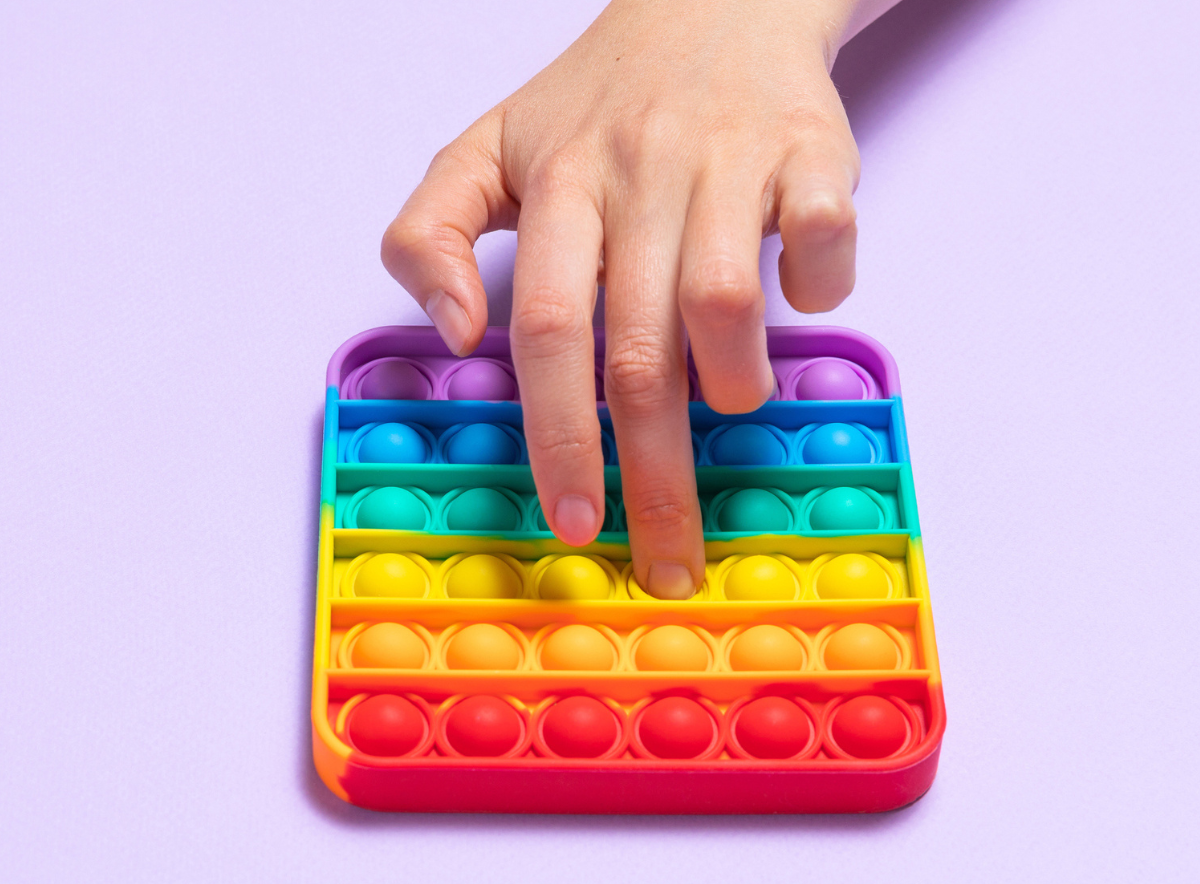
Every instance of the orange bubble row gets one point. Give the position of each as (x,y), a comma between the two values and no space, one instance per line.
(773,727)
(581,647)
(577,577)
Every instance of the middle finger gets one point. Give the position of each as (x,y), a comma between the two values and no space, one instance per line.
(646,387)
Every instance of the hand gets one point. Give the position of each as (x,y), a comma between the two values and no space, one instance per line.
(654,154)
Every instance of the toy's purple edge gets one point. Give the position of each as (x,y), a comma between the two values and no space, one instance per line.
(846,343)
(796,340)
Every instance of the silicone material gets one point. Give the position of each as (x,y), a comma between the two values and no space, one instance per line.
(467,660)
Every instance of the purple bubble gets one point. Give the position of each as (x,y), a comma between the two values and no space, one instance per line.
(481,379)
(395,380)
(829,379)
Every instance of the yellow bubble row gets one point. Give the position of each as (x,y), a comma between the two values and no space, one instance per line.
(597,648)
(560,577)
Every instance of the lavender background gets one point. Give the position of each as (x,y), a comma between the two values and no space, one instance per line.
(192,203)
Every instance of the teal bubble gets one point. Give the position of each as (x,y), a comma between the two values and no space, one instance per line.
(754,509)
(482,509)
(845,509)
(397,509)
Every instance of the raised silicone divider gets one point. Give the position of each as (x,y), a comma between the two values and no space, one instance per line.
(409,362)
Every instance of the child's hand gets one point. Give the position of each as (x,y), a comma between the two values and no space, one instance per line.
(656,152)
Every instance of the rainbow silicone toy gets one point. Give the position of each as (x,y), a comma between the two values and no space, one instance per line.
(467,660)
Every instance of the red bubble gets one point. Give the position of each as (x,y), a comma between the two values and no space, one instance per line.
(483,726)
(579,727)
(869,727)
(772,727)
(676,727)
(385,725)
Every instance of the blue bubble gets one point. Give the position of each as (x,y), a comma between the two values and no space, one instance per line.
(482,444)
(393,443)
(397,509)
(845,509)
(837,443)
(751,445)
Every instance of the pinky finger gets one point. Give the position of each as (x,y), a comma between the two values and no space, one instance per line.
(817,223)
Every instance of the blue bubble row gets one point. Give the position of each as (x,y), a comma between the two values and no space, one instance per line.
(764,445)
(728,445)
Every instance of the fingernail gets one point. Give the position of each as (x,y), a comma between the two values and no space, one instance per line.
(575,520)
(670,580)
(450,320)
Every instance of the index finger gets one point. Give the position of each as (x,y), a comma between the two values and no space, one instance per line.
(554,294)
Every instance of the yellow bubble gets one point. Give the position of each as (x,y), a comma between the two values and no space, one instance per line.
(388,646)
(483,646)
(574,577)
(766,648)
(482,577)
(852,576)
(861,646)
(760,578)
(671,648)
(391,575)
(578,647)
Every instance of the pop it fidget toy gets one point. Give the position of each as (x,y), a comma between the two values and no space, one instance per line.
(467,660)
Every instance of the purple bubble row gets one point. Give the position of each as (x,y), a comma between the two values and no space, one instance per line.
(491,379)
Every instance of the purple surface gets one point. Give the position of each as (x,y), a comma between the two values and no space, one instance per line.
(192,208)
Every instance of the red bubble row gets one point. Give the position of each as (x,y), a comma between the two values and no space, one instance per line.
(774,727)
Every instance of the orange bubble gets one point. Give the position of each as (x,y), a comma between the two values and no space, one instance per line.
(388,646)
(672,648)
(578,647)
(483,646)
(861,646)
(766,648)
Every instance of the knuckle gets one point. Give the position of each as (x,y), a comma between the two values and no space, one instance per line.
(722,291)
(638,367)
(659,508)
(409,236)
(822,212)
(562,442)
(650,132)
(546,315)
(562,170)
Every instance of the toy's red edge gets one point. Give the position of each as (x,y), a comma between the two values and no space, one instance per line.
(715,788)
